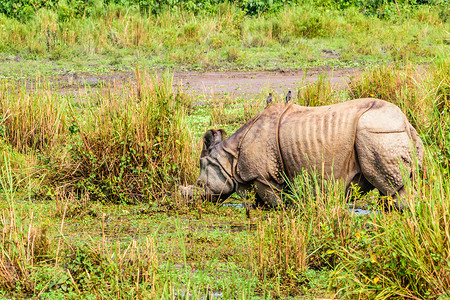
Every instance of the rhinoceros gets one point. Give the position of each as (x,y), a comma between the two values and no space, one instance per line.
(362,141)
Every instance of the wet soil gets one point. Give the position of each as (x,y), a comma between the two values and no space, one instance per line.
(203,85)
(241,84)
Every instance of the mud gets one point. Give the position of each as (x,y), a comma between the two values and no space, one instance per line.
(205,85)
(242,84)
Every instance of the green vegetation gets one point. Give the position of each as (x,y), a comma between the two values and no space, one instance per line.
(61,159)
(97,35)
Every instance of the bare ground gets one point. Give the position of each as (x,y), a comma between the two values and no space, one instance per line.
(215,84)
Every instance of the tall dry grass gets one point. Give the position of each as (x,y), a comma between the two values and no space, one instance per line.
(31,120)
(317,93)
(403,255)
(133,145)
(304,236)
(126,144)
(24,242)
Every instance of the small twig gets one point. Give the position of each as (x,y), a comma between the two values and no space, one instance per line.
(61,234)
(46,285)
(74,283)
(398,9)
(103,231)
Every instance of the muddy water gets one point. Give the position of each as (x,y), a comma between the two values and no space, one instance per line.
(356,211)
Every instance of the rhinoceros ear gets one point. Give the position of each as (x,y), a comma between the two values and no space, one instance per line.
(211,138)
(219,135)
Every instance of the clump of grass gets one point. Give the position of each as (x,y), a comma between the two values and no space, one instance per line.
(305,238)
(441,80)
(317,93)
(89,266)
(31,120)
(126,145)
(280,251)
(24,243)
(131,146)
(68,204)
(406,254)
(437,129)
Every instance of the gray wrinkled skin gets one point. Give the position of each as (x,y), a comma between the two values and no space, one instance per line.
(362,141)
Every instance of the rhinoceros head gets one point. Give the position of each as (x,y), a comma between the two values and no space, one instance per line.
(215,181)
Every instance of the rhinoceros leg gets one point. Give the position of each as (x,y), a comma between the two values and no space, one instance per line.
(267,193)
(364,185)
(384,143)
(380,156)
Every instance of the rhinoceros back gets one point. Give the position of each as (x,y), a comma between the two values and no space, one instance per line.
(321,138)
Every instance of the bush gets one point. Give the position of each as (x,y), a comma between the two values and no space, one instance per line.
(24,9)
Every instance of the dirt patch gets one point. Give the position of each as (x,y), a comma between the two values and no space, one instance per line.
(242,84)
(203,85)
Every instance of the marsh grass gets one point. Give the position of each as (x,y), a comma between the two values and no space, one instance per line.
(40,261)
(25,245)
(126,144)
(293,36)
(132,145)
(24,242)
(31,121)
(404,255)
(134,266)
(376,256)
(317,93)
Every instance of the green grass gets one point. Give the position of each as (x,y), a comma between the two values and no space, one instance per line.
(293,37)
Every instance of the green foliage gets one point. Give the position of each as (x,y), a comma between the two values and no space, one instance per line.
(71,9)
(256,7)
(24,9)
(383,9)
